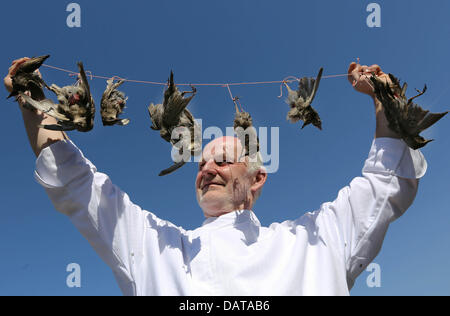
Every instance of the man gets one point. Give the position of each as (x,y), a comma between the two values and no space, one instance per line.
(321,253)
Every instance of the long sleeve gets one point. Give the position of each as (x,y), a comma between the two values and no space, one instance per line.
(105,216)
(360,216)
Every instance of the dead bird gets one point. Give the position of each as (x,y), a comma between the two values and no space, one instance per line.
(404,116)
(171,115)
(300,102)
(76,108)
(25,78)
(112,104)
(246,132)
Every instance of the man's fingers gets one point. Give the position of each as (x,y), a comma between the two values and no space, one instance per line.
(8,83)
(354,73)
(18,60)
(351,68)
(376,69)
(357,73)
(364,69)
(12,71)
(15,66)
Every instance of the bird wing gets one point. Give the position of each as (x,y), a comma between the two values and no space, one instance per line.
(174,108)
(307,90)
(63,127)
(155,112)
(172,169)
(32,64)
(391,104)
(174,103)
(47,106)
(84,81)
(404,116)
(424,119)
(315,87)
(88,101)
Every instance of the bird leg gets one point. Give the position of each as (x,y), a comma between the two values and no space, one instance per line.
(194,91)
(420,94)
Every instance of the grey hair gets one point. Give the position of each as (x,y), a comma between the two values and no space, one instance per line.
(255,164)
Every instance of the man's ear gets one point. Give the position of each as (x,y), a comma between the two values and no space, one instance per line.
(258,180)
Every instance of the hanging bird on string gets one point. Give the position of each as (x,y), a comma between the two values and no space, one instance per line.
(172,116)
(404,116)
(76,108)
(27,79)
(246,132)
(112,104)
(300,102)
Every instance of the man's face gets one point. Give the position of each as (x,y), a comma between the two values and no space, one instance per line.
(223,182)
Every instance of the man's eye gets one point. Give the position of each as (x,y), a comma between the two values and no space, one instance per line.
(224,163)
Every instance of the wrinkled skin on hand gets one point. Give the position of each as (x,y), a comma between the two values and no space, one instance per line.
(405,117)
(173,115)
(76,108)
(300,102)
(112,104)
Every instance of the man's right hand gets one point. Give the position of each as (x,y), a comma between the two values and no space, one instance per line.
(39,138)
(12,71)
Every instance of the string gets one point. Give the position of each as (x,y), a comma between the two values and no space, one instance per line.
(234,99)
(91,75)
(289,79)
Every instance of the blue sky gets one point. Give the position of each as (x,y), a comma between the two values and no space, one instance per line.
(226,41)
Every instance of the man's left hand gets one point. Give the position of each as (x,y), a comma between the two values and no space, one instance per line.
(359,77)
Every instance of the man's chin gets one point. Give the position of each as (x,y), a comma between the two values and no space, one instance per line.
(212,203)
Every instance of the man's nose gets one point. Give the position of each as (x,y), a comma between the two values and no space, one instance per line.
(210,167)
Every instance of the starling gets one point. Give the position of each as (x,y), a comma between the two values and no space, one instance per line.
(246,132)
(76,108)
(112,104)
(173,114)
(300,102)
(25,79)
(404,116)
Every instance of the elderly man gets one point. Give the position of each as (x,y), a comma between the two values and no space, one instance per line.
(320,253)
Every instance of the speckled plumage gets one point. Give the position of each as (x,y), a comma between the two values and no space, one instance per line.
(76,108)
(404,116)
(300,102)
(25,79)
(173,114)
(246,132)
(112,104)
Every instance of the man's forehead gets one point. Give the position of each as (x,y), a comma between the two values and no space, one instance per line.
(229,147)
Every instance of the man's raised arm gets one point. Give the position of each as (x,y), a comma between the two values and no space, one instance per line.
(362,212)
(104,215)
(39,138)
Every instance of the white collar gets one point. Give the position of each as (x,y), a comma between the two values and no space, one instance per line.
(232,219)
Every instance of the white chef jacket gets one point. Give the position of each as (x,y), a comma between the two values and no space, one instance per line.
(320,253)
